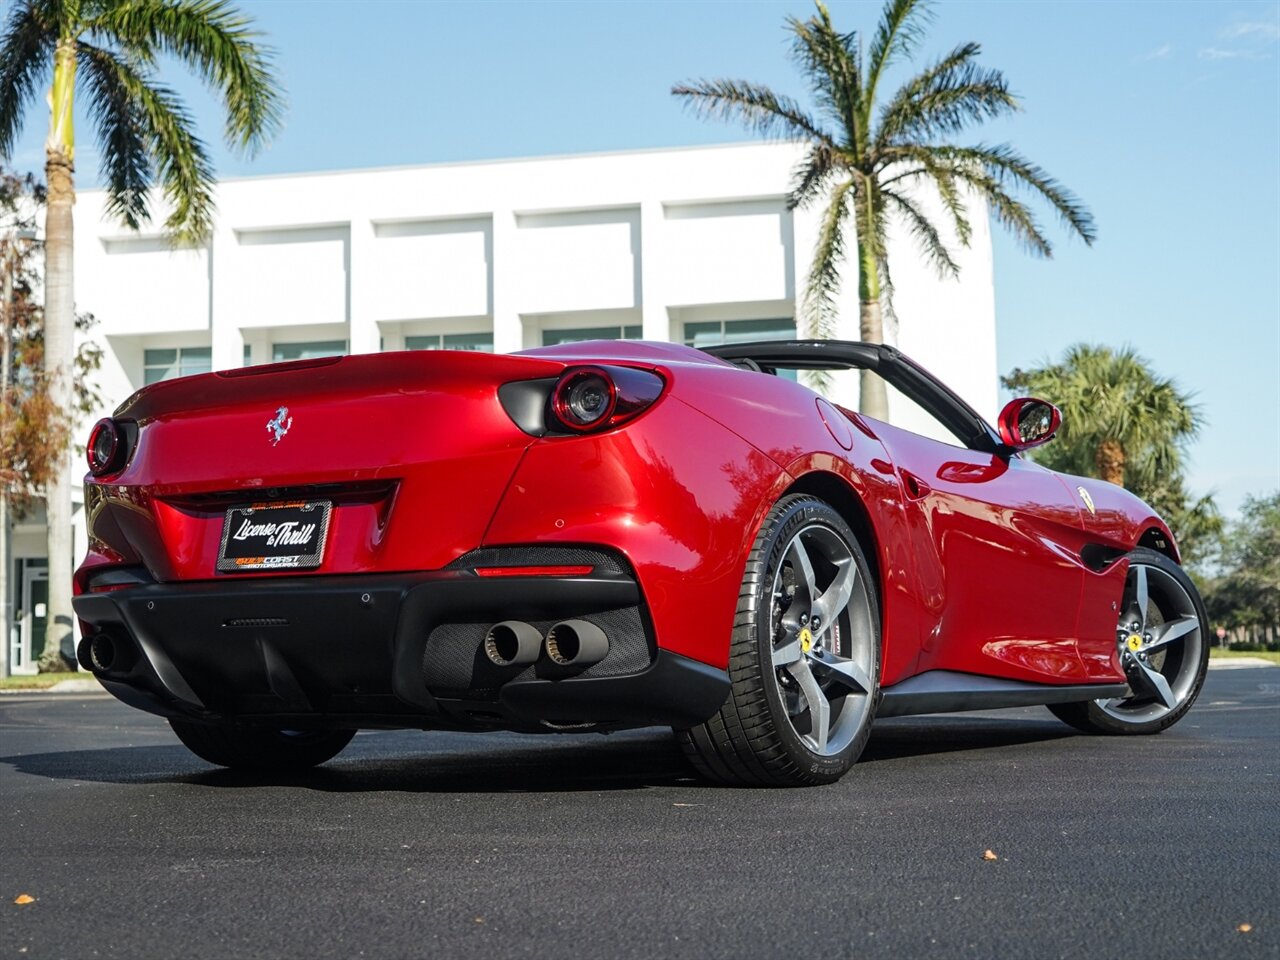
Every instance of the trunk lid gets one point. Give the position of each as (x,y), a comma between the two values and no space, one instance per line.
(410,451)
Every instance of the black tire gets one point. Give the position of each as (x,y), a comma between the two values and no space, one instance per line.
(1173,601)
(754,739)
(253,747)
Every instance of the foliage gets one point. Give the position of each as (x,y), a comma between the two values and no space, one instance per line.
(33,430)
(1246,593)
(866,152)
(1124,424)
(111,48)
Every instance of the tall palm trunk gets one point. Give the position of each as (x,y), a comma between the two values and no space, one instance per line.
(873,400)
(59,338)
(1110,460)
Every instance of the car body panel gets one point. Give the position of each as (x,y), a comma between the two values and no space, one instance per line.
(987,565)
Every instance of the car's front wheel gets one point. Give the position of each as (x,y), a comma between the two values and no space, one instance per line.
(1162,642)
(804,661)
(255,747)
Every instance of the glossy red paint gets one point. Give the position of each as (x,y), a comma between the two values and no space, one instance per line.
(991,534)
(978,555)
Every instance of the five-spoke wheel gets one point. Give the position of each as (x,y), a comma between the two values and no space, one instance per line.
(805,657)
(1162,646)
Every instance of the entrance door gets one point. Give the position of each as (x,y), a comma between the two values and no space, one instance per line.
(32,619)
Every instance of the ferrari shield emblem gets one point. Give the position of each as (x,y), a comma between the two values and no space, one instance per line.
(1088,500)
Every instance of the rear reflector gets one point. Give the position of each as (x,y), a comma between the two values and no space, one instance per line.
(566,571)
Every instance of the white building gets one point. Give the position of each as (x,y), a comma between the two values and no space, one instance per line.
(693,245)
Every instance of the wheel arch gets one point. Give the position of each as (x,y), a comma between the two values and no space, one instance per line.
(845,501)
(1161,540)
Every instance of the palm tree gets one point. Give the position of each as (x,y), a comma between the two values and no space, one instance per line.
(865,159)
(1120,421)
(1123,423)
(108,51)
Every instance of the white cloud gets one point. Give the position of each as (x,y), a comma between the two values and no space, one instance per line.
(1159,53)
(1221,53)
(1256,29)
(1244,40)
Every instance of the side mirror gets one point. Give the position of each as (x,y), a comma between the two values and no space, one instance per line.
(1027,422)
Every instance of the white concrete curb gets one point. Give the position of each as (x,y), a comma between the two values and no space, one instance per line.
(1238,663)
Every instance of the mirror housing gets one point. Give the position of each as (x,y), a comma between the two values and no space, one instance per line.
(1027,422)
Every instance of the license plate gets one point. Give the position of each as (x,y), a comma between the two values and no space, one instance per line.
(274,536)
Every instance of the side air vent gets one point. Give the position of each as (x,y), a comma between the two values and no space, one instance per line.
(256,622)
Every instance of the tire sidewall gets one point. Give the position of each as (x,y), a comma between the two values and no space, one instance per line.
(1108,723)
(790,515)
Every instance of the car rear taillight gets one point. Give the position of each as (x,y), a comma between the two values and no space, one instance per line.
(108,447)
(596,398)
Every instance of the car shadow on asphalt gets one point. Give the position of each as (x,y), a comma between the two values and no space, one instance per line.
(507,763)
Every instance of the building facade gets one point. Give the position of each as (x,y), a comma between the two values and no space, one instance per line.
(692,245)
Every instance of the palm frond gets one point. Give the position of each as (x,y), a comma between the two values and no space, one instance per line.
(1010,213)
(928,239)
(945,98)
(181,160)
(819,302)
(121,129)
(830,62)
(762,111)
(1005,165)
(26,50)
(216,40)
(899,32)
(813,175)
(923,163)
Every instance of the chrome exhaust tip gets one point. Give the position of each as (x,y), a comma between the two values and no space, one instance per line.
(576,643)
(512,643)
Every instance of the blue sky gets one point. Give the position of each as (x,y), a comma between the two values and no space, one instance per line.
(1163,116)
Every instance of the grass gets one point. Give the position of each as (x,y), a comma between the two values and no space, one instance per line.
(41,681)
(1272,655)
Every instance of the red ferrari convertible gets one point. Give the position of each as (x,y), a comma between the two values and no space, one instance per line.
(612,534)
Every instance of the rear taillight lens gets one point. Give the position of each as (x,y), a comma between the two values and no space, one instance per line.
(107,447)
(596,398)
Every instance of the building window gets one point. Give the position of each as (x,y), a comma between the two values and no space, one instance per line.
(712,333)
(480,342)
(308,351)
(165,364)
(630,331)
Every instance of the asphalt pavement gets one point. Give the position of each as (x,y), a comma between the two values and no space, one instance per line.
(435,844)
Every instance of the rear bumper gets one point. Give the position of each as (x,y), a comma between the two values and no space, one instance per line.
(401,650)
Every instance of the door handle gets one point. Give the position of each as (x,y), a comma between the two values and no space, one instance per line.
(915,488)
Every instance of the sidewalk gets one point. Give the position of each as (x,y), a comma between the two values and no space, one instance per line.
(89,685)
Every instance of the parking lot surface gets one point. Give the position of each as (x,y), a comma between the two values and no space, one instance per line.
(454,845)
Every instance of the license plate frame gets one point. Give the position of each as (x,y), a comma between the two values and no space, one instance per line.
(274,536)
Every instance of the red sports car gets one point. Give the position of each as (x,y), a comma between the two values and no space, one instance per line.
(612,534)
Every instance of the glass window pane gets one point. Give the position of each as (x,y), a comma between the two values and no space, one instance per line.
(308,351)
(422,343)
(482,342)
(703,334)
(632,331)
(159,358)
(192,360)
(577,334)
(744,331)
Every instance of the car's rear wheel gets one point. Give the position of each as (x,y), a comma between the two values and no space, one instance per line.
(1163,646)
(254,747)
(804,661)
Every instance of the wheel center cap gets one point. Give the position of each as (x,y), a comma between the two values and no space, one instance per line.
(1134,643)
(806,640)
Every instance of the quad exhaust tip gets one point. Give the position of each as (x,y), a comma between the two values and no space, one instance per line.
(512,643)
(576,643)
